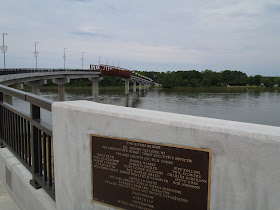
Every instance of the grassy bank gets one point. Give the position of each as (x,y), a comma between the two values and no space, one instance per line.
(224,88)
(221,89)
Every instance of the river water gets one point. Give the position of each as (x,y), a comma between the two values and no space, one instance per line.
(249,105)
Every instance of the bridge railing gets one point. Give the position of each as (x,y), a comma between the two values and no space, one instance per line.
(30,70)
(108,70)
(28,137)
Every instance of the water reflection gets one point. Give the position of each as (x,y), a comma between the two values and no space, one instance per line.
(135,101)
(126,100)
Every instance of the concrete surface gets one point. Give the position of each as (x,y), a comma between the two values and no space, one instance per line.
(245,164)
(6,201)
(24,195)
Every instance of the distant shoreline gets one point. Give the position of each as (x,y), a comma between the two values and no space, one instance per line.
(120,88)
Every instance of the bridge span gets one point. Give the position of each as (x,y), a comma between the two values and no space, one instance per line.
(38,77)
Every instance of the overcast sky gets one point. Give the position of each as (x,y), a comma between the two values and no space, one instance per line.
(157,35)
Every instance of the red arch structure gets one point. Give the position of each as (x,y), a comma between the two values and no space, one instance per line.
(111,70)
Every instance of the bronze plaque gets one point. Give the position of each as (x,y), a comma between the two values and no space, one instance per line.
(141,175)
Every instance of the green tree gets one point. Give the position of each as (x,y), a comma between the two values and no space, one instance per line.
(258,80)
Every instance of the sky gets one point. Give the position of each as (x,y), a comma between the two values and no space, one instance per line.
(154,35)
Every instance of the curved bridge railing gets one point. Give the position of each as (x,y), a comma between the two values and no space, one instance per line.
(107,70)
(30,70)
(28,137)
(103,70)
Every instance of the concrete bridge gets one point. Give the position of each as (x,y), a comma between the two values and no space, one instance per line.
(37,78)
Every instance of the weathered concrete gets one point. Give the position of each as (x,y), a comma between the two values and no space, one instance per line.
(36,85)
(140,86)
(245,163)
(95,87)
(18,86)
(126,86)
(61,82)
(6,201)
(134,86)
(25,196)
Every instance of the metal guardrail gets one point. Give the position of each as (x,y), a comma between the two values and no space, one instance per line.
(107,70)
(28,138)
(30,70)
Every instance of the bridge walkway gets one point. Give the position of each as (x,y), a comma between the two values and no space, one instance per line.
(6,201)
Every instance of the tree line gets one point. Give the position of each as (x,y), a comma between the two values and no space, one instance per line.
(209,78)
(191,78)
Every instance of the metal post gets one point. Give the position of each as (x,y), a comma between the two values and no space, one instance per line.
(82,60)
(36,54)
(35,141)
(64,57)
(4,49)
(1,117)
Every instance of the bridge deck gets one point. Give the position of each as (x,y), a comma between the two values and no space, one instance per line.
(6,201)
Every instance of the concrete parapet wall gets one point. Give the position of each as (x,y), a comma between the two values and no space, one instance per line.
(16,179)
(245,164)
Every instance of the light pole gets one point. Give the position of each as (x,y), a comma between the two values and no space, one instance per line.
(36,54)
(64,57)
(4,49)
(82,60)
(99,60)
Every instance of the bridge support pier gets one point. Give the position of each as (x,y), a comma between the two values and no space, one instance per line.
(126,86)
(36,85)
(61,87)
(18,86)
(145,86)
(95,87)
(134,86)
(140,86)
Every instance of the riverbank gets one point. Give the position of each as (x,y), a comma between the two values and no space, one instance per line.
(225,88)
